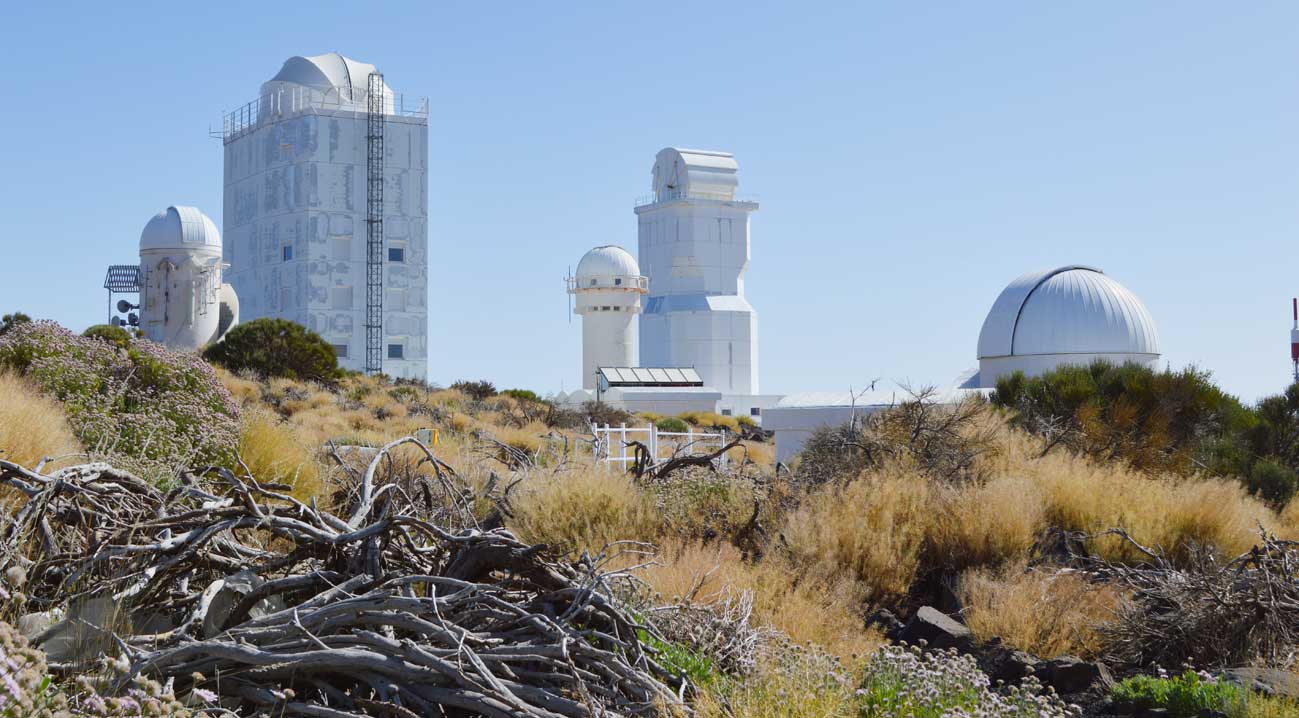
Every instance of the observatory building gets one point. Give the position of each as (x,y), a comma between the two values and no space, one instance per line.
(698,334)
(183,302)
(607,291)
(1040,321)
(326,210)
(1069,315)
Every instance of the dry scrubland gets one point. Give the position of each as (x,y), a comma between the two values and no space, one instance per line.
(813,558)
(833,553)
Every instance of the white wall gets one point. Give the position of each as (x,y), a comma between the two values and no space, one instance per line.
(1037,364)
(300,182)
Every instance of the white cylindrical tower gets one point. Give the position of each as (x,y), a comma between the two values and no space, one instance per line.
(607,290)
(180,274)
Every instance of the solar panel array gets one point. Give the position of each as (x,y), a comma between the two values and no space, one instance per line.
(651,376)
(123,278)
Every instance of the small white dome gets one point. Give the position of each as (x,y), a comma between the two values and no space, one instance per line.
(604,262)
(180,228)
(324,72)
(1072,310)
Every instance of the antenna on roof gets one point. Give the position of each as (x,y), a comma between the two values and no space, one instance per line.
(568,298)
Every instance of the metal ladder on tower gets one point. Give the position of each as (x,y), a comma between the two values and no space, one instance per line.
(374,226)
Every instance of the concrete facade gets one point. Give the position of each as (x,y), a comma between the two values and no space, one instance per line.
(295,210)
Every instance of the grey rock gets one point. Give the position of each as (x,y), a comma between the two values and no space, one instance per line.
(1068,675)
(1269,681)
(936,629)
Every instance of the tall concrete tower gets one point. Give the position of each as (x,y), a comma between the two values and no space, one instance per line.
(607,289)
(313,203)
(694,246)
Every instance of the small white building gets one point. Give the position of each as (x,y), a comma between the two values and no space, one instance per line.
(1070,315)
(607,291)
(182,295)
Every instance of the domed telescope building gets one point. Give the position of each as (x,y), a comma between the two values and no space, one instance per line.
(326,210)
(607,291)
(183,302)
(1070,315)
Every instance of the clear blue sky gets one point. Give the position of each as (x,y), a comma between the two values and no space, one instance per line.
(911,159)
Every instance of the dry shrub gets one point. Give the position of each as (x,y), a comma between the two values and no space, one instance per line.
(584,508)
(874,528)
(245,390)
(795,684)
(32,426)
(811,610)
(985,524)
(1043,613)
(273,452)
(1157,511)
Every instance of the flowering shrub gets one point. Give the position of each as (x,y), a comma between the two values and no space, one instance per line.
(904,681)
(1184,696)
(143,401)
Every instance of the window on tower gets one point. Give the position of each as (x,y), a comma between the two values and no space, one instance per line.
(395,351)
(287,252)
(396,254)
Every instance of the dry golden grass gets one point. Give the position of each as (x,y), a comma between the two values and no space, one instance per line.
(874,529)
(984,524)
(584,508)
(811,610)
(32,426)
(1161,511)
(1045,614)
(245,391)
(797,687)
(274,452)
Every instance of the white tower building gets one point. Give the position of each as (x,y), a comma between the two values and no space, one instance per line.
(607,291)
(304,185)
(694,246)
(181,291)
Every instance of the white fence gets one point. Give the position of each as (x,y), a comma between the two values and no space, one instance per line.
(612,443)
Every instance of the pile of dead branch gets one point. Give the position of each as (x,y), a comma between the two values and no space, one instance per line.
(1203,609)
(401,607)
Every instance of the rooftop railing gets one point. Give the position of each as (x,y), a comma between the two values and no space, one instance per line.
(287,102)
(676,194)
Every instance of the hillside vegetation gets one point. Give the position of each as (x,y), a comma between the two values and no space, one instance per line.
(766,587)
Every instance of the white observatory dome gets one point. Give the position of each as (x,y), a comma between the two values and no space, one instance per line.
(180,228)
(326,72)
(1070,315)
(605,263)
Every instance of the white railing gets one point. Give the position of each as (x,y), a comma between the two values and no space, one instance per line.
(613,444)
(291,101)
(669,195)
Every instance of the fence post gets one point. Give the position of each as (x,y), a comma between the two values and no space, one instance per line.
(622,454)
(653,442)
(724,457)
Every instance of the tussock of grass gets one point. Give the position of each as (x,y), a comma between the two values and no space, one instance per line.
(273,452)
(32,426)
(584,508)
(1043,613)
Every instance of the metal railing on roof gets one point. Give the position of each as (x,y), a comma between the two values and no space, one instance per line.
(676,194)
(291,101)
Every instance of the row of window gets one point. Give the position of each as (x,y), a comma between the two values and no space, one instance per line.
(395,351)
(607,309)
(755,411)
(395,254)
(617,282)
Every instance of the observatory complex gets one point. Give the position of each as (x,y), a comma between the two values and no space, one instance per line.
(698,334)
(326,211)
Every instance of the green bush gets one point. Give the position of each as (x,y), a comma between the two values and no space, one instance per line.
(1271,481)
(9,321)
(1185,696)
(109,333)
(1155,421)
(476,390)
(672,424)
(525,395)
(276,348)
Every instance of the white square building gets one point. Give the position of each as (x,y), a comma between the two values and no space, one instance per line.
(296,214)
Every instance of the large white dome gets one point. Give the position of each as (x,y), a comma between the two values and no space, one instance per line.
(1073,314)
(180,228)
(604,263)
